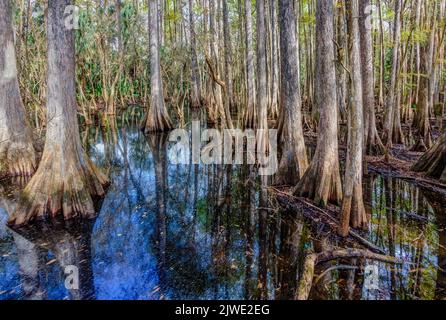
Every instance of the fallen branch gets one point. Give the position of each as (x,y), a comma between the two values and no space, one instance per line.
(393,170)
(333,223)
(212,72)
(313,259)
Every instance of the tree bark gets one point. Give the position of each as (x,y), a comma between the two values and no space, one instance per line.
(373,144)
(157,119)
(218,106)
(66,179)
(250,120)
(229,96)
(421,123)
(274,60)
(322,181)
(353,210)
(382,57)
(262,88)
(433,162)
(17,154)
(340,54)
(391,96)
(195,99)
(294,160)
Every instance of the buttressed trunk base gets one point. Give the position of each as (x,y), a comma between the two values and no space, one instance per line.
(294,161)
(17,155)
(63,184)
(158,119)
(66,179)
(322,180)
(433,162)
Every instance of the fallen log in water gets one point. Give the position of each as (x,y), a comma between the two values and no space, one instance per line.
(313,259)
(400,169)
(320,216)
(326,217)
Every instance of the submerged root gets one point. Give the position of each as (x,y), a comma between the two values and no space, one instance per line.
(64,187)
(17,159)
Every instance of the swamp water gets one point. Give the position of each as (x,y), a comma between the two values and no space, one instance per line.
(169,231)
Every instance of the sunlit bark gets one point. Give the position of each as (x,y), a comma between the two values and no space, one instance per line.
(66,179)
(17,155)
(322,181)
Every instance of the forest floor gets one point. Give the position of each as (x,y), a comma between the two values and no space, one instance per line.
(326,220)
(398,165)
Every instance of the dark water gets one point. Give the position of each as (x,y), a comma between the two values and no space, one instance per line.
(168,231)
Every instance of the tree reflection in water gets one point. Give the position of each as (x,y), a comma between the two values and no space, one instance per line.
(168,231)
(47,254)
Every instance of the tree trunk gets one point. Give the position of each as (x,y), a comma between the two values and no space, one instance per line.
(397,131)
(294,160)
(353,210)
(433,162)
(262,88)
(390,103)
(229,97)
(17,155)
(195,99)
(382,55)
(373,144)
(219,107)
(250,120)
(157,119)
(66,178)
(341,74)
(322,181)
(421,124)
(274,60)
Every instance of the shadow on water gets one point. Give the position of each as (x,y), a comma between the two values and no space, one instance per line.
(168,231)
